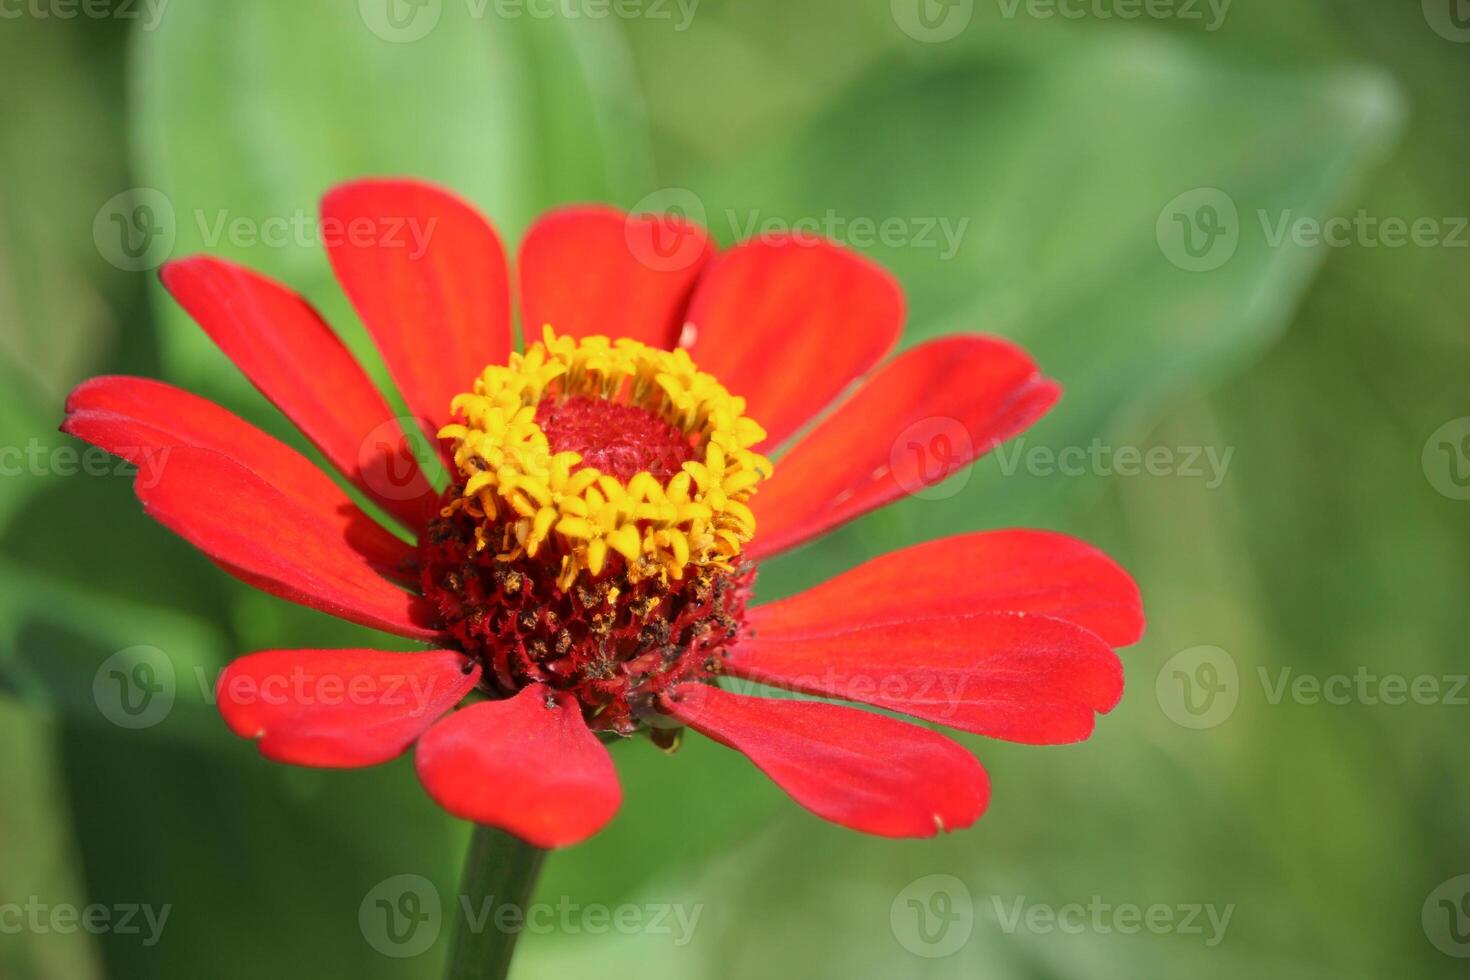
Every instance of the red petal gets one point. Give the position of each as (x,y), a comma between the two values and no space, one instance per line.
(597,270)
(859,769)
(146,421)
(311,555)
(789,322)
(990,571)
(292,356)
(527,765)
(1014,676)
(928,413)
(428,276)
(340,708)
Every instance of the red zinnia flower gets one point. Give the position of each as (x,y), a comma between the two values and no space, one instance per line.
(587,568)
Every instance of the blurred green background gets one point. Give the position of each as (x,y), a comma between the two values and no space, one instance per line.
(1130,191)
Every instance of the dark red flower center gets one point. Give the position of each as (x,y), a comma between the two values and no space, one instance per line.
(615,643)
(619,439)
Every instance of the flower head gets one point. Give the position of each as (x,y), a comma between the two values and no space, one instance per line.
(591,536)
(585,568)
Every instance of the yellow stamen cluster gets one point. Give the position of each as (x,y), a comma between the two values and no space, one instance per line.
(529,499)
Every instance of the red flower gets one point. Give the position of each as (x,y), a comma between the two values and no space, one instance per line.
(587,567)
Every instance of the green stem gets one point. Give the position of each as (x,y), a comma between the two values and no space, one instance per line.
(500,870)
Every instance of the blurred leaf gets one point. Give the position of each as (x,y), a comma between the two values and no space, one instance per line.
(53,322)
(58,639)
(1037,216)
(246,114)
(54,317)
(37,850)
(265,866)
(1056,164)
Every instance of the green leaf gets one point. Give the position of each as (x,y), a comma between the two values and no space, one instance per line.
(37,849)
(1056,165)
(246,114)
(55,288)
(72,650)
(1045,214)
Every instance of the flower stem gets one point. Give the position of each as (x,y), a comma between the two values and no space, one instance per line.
(500,870)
